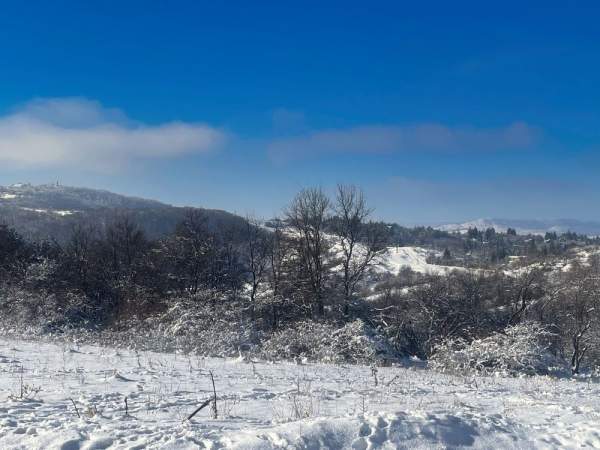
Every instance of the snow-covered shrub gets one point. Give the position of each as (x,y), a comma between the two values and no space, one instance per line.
(353,343)
(358,343)
(42,312)
(520,349)
(302,340)
(40,271)
(187,326)
(200,327)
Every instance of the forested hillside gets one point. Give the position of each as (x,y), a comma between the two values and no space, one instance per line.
(50,212)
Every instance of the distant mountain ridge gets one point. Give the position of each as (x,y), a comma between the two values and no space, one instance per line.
(58,197)
(51,210)
(523,226)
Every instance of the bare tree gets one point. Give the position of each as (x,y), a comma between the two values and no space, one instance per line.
(577,309)
(120,266)
(78,252)
(256,257)
(191,246)
(126,242)
(307,215)
(527,289)
(230,268)
(360,242)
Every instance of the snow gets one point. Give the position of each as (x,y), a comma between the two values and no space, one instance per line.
(265,405)
(564,264)
(40,211)
(63,212)
(59,212)
(7,196)
(395,258)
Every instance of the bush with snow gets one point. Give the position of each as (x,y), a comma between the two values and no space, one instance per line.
(208,335)
(25,311)
(521,349)
(354,343)
(203,326)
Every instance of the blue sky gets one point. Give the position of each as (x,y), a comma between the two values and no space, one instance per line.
(441,111)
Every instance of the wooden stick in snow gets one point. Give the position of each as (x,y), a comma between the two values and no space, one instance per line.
(215,415)
(75,406)
(200,408)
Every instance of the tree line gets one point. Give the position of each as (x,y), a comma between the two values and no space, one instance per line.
(311,264)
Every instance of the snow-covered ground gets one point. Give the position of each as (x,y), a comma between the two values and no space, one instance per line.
(395,258)
(274,405)
(580,256)
(7,196)
(59,212)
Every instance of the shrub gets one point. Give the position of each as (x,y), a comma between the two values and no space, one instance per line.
(22,309)
(354,343)
(520,349)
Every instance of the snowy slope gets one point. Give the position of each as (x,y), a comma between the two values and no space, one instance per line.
(274,406)
(395,258)
(578,256)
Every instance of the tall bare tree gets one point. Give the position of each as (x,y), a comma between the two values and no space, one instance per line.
(361,241)
(307,215)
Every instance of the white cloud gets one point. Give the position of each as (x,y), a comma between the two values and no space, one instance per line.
(406,138)
(79,132)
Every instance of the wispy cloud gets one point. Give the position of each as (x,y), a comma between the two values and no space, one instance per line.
(406,138)
(82,133)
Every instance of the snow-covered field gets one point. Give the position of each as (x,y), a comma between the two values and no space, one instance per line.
(274,405)
(396,258)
